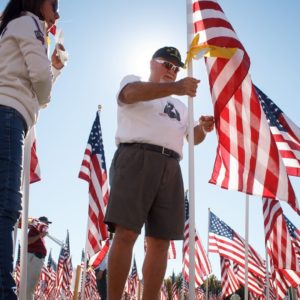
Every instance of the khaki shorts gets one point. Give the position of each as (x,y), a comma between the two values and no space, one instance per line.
(146,188)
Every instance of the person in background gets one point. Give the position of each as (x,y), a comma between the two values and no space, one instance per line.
(26,78)
(37,252)
(146,181)
(101,278)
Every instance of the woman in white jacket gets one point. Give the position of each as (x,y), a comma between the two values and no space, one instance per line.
(26,80)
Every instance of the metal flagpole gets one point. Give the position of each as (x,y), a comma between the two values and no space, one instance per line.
(15,238)
(54,239)
(189,5)
(25,204)
(267,276)
(246,246)
(85,260)
(207,250)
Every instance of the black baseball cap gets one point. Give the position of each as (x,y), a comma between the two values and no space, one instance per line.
(44,220)
(169,53)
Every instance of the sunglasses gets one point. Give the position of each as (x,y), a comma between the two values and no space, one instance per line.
(168,65)
(55,6)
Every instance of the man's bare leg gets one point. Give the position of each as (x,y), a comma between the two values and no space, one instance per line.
(154,267)
(119,260)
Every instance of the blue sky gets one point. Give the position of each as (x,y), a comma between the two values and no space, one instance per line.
(106,41)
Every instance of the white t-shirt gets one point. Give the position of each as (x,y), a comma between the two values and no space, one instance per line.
(163,121)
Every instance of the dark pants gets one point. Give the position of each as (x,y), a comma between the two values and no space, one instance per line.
(102,286)
(12,134)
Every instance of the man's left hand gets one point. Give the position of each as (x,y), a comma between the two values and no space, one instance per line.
(207,123)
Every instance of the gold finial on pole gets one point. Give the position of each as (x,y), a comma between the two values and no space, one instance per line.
(99,107)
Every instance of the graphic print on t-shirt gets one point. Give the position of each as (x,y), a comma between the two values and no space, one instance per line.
(171,111)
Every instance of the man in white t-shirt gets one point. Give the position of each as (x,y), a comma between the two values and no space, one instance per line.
(146,181)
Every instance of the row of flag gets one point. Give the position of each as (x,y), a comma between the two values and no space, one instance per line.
(55,278)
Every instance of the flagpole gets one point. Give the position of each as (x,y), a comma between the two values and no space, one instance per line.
(247,245)
(207,250)
(76,287)
(267,276)
(24,223)
(85,260)
(189,5)
(15,238)
(139,289)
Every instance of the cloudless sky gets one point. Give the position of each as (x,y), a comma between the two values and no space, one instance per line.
(107,40)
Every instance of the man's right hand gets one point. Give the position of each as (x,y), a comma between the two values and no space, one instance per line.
(187,86)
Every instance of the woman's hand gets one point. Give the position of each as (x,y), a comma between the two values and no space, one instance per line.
(55,60)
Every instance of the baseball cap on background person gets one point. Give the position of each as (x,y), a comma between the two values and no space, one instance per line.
(45,220)
(169,53)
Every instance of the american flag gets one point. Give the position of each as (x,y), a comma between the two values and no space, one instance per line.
(295,236)
(229,281)
(97,258)
(18,268)
(172,250)
(202,265)
(38,225)
(272,291)
(51,266)
(64,270)
(283,260)
(133,281)
(93,170)
(255,284)
(35,172)
(200,293)
(42,287)
(285,132)
(185,286)
(90,287)
(226,242)
(163,292)
(277,235)
(247,156)
(282,280)
(174,288)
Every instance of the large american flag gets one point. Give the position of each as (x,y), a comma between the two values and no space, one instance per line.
(93,170)
(226,242)
(229,282)
(202,265)
(285,132)
(247,156)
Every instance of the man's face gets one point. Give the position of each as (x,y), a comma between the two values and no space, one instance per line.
(163,70)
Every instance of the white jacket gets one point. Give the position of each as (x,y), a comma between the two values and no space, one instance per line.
(25,70)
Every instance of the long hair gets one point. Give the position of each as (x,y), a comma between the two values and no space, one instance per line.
(14,9)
